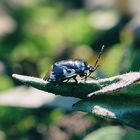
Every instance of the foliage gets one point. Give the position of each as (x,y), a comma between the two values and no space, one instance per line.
(34,34)
(115,107)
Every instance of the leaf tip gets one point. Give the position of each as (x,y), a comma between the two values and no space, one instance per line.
(19,77)
(15,75)
(89,95)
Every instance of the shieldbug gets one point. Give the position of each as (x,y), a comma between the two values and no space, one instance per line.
(63,71)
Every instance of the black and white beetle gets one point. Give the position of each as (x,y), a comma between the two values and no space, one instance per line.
(62,71)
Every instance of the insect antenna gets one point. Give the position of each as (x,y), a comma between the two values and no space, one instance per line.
(101,51)
(95,66)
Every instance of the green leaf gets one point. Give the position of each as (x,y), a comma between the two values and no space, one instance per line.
(117,82)
(84,89)
(64,89)
(106,133)
(123,108)
(113,133)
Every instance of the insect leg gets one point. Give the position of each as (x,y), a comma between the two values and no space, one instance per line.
(95,78)
(66,80)
(85,77)
(75,80)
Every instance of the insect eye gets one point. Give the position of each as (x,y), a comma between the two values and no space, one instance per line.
(92,68)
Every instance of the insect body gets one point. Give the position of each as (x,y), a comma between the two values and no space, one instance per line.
(65,70)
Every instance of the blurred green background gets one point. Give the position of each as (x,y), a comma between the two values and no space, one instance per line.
(36,33)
